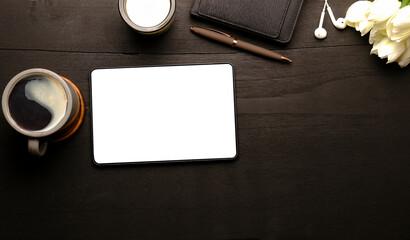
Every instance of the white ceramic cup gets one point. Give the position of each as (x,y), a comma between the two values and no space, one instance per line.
(43,106)
(148,17)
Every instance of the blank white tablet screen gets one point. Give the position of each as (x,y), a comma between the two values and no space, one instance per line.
(166,113)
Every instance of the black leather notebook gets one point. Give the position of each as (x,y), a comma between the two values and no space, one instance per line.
(274,19)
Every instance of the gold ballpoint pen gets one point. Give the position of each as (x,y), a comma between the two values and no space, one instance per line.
(229,40)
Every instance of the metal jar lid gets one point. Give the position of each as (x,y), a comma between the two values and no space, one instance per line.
(157,28)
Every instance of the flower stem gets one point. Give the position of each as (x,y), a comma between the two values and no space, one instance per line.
(404,3)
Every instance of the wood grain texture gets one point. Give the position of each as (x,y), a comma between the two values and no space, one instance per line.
(323,142)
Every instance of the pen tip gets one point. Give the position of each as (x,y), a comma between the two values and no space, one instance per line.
(285,59)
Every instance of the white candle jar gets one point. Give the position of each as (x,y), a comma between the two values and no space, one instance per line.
(148,17)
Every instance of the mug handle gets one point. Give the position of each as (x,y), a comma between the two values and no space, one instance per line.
(36,147)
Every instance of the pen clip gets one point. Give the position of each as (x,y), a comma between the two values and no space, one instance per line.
(217,31)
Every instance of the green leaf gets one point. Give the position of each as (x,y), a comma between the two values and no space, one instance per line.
(404,3)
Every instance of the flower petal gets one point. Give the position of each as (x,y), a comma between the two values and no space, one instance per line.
(381,10)
(404,59)
(398,26)
(380,25)
(376,35)
(377,45)
(391,50)
(357,26)
(365,27)
(357,11)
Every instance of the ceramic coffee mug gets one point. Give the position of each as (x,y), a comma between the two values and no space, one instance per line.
(44,106)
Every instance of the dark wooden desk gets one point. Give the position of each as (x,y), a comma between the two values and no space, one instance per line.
(324,143)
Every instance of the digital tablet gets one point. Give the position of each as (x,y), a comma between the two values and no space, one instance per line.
(163,113)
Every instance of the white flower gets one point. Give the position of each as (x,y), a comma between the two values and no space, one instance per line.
(389,27)
(381,10)
(377,35)
(398,26)
(386,48)
(363,15)
(404,59)
(357,13)
(356,17)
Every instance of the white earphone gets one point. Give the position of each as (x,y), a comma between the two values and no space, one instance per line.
(320,32)
(340,23)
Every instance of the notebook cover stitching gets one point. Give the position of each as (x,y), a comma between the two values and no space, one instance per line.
(293,23)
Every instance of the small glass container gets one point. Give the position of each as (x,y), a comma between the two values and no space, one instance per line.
(148,17)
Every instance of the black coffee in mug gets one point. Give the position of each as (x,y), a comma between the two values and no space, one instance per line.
(37,102)
(43,106)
